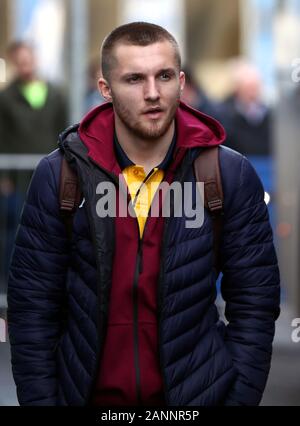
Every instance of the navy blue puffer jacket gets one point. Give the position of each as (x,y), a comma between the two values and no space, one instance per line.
(203,361)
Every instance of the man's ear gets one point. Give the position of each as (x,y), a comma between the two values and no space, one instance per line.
(104,89)
(182,80)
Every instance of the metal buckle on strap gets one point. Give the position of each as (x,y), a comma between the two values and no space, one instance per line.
(215,205)
(67,205)
(69,195)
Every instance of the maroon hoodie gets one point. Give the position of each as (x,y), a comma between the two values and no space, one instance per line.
(129,371)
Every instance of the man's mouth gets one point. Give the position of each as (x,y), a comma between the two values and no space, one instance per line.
(154,112)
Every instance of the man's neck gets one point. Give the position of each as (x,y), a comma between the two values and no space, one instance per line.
(146,153)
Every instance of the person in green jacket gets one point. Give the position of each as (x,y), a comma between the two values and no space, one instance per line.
(32,111)
(32,114)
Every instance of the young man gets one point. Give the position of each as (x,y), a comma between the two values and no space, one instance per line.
(141,324)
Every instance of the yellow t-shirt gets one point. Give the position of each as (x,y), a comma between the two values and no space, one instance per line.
(142,189)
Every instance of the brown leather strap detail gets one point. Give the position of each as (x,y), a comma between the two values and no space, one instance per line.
(69,195)
(207,170)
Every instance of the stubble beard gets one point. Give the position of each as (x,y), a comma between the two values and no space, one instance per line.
(145,130)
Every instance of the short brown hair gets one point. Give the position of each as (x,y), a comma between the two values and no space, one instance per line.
(137,34)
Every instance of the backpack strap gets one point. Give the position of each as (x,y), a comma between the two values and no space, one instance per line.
(207,170)
(69,195)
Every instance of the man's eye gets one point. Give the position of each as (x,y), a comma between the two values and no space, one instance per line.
(133,79)
(165,76)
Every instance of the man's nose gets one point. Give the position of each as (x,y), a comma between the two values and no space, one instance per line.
(151,90)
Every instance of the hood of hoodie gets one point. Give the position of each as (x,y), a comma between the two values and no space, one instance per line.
(194,129)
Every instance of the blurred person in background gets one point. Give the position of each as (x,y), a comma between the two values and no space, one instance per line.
(246,118)
(32,110)
(93,96)
(32,113)
(248,122)
(194,95)
(119,310)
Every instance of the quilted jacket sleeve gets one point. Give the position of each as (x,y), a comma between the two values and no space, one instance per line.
(250,287)
(35,290)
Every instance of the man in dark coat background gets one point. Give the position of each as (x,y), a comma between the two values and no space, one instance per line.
(246,118)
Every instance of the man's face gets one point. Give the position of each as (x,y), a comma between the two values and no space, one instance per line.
(144,87)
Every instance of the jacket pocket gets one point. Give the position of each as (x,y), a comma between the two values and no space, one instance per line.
(220,331)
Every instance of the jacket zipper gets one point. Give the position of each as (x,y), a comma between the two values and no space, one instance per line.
(137,272)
